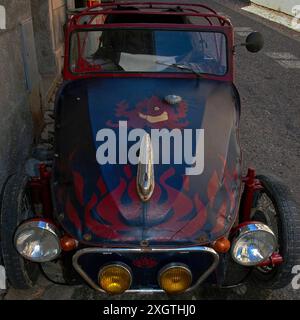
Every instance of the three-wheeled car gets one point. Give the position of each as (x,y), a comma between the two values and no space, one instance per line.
(144,191)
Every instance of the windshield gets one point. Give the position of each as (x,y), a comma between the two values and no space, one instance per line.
(135,50)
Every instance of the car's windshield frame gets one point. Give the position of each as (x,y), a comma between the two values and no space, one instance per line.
(225,30)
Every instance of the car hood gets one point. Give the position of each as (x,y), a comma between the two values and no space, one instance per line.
(99,203)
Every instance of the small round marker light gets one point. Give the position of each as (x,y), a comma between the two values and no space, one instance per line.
(68,244)
(222,245)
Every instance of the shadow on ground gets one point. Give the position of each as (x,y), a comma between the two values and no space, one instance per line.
(46,290)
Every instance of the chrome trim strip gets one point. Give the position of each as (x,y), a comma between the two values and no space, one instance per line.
(145,250)
(145,173)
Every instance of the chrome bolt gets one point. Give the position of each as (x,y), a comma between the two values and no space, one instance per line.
(87,237)
(144,243)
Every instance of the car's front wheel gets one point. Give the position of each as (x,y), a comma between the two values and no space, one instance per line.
(274,206)
(15,208)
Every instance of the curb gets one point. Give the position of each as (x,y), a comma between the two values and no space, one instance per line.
(289,21)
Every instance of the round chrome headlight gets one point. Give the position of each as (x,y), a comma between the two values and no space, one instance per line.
(37,241)
(254,243)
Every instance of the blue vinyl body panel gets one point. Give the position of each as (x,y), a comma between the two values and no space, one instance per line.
(101,200)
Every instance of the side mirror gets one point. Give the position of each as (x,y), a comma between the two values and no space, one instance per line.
(254,42)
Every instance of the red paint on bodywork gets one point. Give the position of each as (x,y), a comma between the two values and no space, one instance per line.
(78,185)
(213,187)
(153,107)
(211,22)
(196,223)
(41,190)
(274,260)
(108,207)
(93,3)
(101,185)
(221,218)
(180,203)
(127,171)
(132,211)
(98,229)
(229,179)
(170,218)
(145,262)
(251,185)
(73,215)
(151,5)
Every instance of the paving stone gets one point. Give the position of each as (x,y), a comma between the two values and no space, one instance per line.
(57,292)
(2,294)
(30,294)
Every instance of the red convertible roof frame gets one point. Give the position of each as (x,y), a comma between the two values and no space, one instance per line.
(152,8)
(214,21)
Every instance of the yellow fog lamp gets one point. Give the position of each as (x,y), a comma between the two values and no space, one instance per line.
(175,278)
(115,278)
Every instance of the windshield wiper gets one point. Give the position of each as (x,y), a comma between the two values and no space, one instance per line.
(181,67)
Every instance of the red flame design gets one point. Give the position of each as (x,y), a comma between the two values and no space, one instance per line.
(213,187)
(105,213)
(79,185)
(151,107)
(196,223)
(73,215)
(145,262)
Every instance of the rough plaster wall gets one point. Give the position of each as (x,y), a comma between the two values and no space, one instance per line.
(49,17)
(15,116)
(43,41)
(58,22)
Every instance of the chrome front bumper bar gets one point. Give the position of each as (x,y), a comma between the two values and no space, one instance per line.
(141,251)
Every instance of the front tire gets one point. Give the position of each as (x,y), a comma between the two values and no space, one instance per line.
(274,206)
(16,208)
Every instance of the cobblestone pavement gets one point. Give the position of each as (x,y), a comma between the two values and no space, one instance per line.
(270,131)
(46,290)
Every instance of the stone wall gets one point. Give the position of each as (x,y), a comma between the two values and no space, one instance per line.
(16,132)
(49,18)
(31,50)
